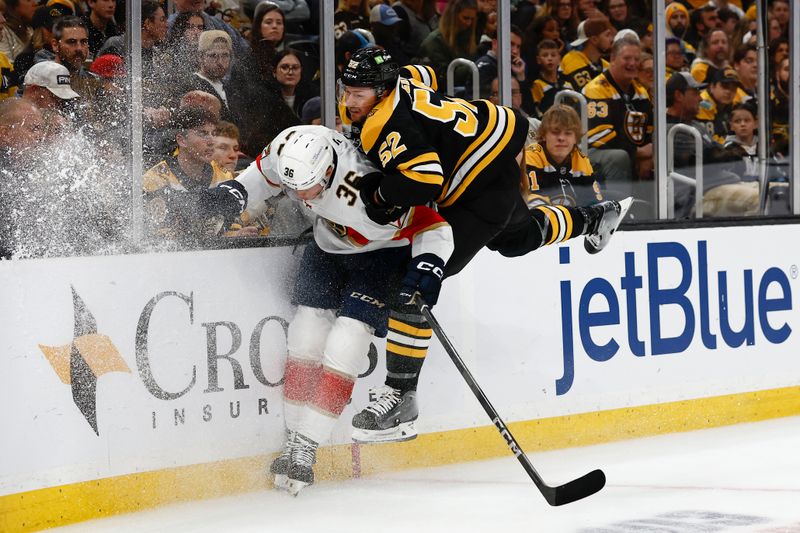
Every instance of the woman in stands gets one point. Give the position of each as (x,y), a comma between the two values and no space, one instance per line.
(267,38)
(454,38)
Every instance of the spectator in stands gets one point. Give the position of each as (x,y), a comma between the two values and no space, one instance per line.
(214,74)
(585,61)
(100,23)
(778,50)
(226,145)
(21,129)
(550,80)
(47,86)
(267,38)
(454,38)
(384,24)
(43,20)
(728,20)
(349,15)
(175,203)
(621,17)
(289,77)
(743,126)
(713,56)
(540,29)
(646,72)
(240,46)
(745,62)
(17,31)
(677,23)
(8,78)
(675,58)
(779,104)
(774,30)
(420,19)
(295,13)
(734,7)
(716,104)
(620,117)
(702,21)
(487,64)
(724,193)
(779,10)
(557,172)
(181,56)
(345,45)
(523,12)
(566,13)
(71,48)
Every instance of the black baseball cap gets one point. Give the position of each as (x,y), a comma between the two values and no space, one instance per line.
(680,81)
(726,75)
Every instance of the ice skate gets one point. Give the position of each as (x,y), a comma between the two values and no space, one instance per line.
(300,473)
(602,221)
(280,466)
(389,417)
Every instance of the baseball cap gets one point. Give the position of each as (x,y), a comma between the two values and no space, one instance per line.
(680,81)
(627,32)
(384,14)
(590,28)
(66,7)
(311,110)
(726,75)
(45,17)
(209,37)
(53,76)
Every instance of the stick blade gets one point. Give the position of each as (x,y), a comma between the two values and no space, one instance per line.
(577,489)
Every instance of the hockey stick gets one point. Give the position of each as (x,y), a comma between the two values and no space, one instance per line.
(567,493)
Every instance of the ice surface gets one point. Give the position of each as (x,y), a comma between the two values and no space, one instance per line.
(740,478)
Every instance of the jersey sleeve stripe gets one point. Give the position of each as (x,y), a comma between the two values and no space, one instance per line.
(480,160)
(418,353)
(600,135)
(568,219)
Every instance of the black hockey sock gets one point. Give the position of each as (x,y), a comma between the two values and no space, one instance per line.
(561,223)
(406,347)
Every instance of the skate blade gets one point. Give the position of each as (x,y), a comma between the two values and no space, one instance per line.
(403,432)
(281,482)
(594,247)
(294,486)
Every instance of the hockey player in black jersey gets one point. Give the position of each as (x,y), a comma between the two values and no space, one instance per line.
(465,157)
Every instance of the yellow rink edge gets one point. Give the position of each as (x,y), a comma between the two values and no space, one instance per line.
(57,506)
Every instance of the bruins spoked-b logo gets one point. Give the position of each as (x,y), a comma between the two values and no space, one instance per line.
(81,362)
(635,125)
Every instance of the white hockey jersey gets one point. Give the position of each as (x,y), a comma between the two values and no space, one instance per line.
(342,225)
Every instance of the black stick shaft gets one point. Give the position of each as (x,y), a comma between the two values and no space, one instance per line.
(576,489)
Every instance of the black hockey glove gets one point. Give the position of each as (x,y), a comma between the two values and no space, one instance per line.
(377,209)
(228,199)
(424,275)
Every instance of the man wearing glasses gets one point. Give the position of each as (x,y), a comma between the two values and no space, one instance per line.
(215,53)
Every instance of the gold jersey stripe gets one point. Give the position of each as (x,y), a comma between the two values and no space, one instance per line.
(408,329)
(417,353)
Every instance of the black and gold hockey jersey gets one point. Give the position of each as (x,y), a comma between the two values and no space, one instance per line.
(618,119)
(8,78)
(571,183)
(432,147)
(703,70)
(543,93)
(714,117)
(579,69)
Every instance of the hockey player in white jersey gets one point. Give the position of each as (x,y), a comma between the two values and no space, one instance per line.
(352,272)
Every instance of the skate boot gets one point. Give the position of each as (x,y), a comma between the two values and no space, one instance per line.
(280,466)
(301,464)
(602,220)
(389,417)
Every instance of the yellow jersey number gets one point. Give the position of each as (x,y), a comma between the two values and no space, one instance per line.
(597,109)
(446,110)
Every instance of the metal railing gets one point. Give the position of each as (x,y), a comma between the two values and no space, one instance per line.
(673,176)
(575,95)
(451,70)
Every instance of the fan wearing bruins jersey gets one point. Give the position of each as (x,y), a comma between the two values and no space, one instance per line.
(716,103)
(345,281)
(465,157)
(585,62)
(556,171)
(620,115)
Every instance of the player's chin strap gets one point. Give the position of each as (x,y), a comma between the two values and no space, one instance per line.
(569,492)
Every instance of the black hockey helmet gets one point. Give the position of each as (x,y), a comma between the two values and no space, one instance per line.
(371,67)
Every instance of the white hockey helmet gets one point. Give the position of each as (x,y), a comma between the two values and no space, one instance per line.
(303,161)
